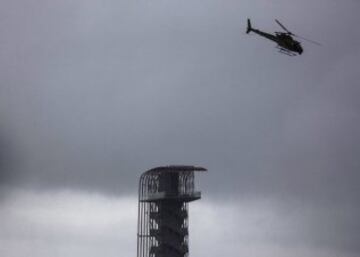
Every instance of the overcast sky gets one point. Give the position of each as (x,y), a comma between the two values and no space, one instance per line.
(93,93)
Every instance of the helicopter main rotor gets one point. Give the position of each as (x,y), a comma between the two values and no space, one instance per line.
(292,34)
(283,27)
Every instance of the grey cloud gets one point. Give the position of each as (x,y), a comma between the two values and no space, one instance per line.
(97,93)
(92,94)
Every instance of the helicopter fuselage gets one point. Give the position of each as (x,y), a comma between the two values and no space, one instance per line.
(284,40)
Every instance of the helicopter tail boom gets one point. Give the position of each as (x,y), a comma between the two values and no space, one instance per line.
(249,28)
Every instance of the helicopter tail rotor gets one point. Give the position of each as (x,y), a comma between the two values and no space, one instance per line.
(249,28)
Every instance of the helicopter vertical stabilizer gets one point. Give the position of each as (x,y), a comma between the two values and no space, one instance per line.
(248,26)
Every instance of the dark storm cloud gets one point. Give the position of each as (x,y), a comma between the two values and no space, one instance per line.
(94,93)
(9,156)
(4,150)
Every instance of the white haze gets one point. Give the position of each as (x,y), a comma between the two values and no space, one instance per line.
(77,223)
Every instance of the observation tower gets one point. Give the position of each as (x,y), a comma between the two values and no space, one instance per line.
(164,194)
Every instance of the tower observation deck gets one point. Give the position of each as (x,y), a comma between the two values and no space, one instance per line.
(164,194)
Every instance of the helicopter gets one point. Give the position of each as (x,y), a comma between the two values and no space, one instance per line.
(285,41)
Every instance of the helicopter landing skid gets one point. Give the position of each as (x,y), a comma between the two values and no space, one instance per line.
(285,51)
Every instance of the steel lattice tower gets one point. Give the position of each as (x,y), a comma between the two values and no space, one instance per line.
(164,194)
